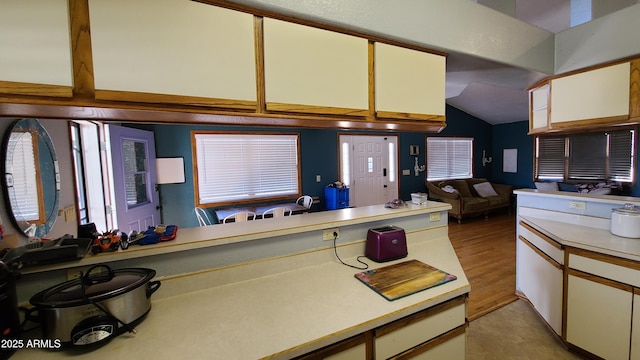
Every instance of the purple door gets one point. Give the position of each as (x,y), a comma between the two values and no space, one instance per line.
(136,200)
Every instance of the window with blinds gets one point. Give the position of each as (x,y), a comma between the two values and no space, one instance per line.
(241,167)
(449,158)
(587,157)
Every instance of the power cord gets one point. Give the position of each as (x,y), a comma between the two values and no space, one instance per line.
(335,249)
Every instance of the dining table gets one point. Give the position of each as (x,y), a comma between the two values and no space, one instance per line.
(295,208)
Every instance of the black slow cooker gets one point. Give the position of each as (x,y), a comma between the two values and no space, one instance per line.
(95,307)
(9,315)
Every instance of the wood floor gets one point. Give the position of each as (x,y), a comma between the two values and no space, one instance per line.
(486,249)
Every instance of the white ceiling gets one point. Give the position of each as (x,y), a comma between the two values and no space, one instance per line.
(496,93)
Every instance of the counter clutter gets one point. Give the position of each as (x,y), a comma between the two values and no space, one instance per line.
(289,305)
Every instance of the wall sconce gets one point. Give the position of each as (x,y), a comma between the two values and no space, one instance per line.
(485,159)
(169,171)
(417,169)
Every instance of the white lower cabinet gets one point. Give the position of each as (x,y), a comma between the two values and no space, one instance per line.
(598,316)
(540,280)
(539,272)
(435,333)
(418,336)
(635,329)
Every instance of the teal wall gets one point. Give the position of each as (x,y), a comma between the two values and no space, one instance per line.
(319,156)
(513,136)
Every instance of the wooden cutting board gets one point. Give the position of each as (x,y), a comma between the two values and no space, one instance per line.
(403,279)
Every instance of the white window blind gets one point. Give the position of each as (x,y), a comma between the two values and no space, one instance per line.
(587,157)
(550,158)
(244,167)
(22,180)
(449,158)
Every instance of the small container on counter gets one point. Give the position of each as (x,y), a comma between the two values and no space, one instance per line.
(625,221)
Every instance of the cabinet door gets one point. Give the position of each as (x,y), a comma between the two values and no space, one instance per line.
(313,70)
(635,331)
(598,315)
(35,47)
(539,109)
(597,94)
(174,48)
(409,83)
(540,278)
(405,334)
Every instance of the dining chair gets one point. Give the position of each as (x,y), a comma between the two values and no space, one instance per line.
(240,216)
(203,217)
(277,212)
(305,201)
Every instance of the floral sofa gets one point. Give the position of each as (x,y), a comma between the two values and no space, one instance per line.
(470,197)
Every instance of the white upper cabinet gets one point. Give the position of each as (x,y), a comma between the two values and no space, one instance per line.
(595,94)
(409,83)
(313,70)
(173,47)
(34,42)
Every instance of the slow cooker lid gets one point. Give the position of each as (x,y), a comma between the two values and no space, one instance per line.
(627,209)
(78,291)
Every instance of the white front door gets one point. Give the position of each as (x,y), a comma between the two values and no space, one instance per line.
(136,200)
(368,165)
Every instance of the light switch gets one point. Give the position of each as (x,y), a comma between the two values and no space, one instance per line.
(406,172)
(318,178)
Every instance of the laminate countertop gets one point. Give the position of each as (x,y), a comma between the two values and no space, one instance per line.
(252,311)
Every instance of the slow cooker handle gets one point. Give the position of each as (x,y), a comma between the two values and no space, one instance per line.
(91,279)
(153,286)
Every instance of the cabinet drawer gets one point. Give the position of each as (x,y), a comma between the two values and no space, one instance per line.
(412,331)
(606,269)
(549,246)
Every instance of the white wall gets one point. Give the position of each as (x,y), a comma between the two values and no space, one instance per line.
(607,38)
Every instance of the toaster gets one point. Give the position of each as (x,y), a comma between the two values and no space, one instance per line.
(386,243)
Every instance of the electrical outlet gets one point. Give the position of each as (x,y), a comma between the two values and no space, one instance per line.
(578,205)
(328,234)
(434,216)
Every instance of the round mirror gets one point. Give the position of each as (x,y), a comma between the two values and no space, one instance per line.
(31,181)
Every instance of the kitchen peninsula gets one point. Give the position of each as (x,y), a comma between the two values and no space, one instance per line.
(273,288)
(579,277)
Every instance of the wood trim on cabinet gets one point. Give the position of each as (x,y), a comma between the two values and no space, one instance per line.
(548,258)
(175,114)
(428,345)
(258,30)
(337,348)
(81,51)
(634,91)
(409,116)
(30,89)
(130,96)
(398,324)
(372,78)
(602,257)
(600,280)
(585,69)
(542,236)
(596,123)
(314,109)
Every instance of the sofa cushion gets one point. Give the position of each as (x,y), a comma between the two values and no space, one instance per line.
(497,201)
(484,189)
(470,204)
(462,187)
